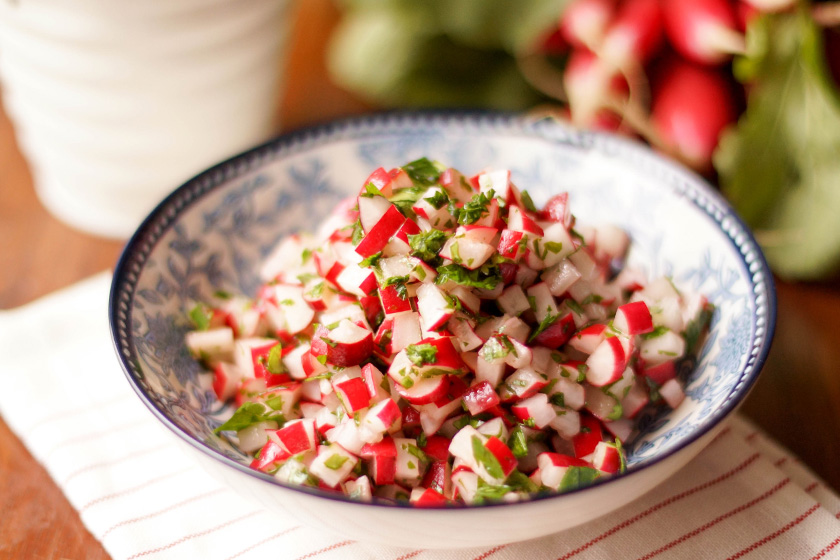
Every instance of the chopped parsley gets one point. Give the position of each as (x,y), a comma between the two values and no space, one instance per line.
(274,364)
(426,245)
(487,277)
(472,211)
(421,354)
(578,477)
(518,443)
(438,199)
(335,461)
(201,315)
(486,459)
(247,415)
(358,233)
(657,331)
(547,321)
(423,172)
(371,260)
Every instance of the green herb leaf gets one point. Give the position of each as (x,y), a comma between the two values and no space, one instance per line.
(518,443)
(421,354)
(426,245)
(547,321)
(358,233)
(779,166)
(527,202)
(578,477)
(486,277)
(200,315)
(423,171)
(695,328)
(371,260)
(438,199)
(275,365)
(335,461)
(473,210)
(486,459)
(248,414)
(657,331)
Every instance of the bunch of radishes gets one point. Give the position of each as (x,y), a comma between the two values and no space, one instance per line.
(657,68)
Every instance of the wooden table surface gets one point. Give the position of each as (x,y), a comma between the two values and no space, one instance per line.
(797,399)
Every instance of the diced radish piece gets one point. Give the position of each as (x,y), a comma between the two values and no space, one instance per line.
(393,301)
(620,429)
(408,468)
(371,210)
(297,436)
(466,485)
(286,258)
(379,179)
(353,394)
(588,438)
(519,221)
(544,304)
(381,458)
(435,309)
(271,454)
(356,280)
(296,312)
(602,404)
(635,400)
(492,373)
(467,298)
(480,398)
(502,453)
(561,277)
(522,383)
(226,378)
(566,422)
(536,408)
(553,467)
(332,465)
(455,185)
(588,339)
(511,244)
(633,318)
(606,364)
(211,345)
(346,345)
(359,489)
(558,332)
(425,390)
(672,392)
(426,497)
(384,416)
(612,242)
(496,180)
(513,300)
(469,253)
(254,436)
(606,458)
(660,373)
(573,393)
(464,334)
(665,347)
(378,236)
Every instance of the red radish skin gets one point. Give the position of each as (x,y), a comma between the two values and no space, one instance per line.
(584,22)
(634,36)
(703,31)
(691,107)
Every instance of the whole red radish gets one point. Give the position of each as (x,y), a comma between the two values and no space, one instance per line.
(584,22)
(634,35)
(770,6)
(704,31)
(691,106)
(591,86)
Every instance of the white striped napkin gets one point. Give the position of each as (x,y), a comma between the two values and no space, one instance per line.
(63,393)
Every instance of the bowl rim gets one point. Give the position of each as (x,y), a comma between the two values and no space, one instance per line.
(701,194)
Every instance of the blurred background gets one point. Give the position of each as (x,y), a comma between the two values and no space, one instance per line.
(745,93)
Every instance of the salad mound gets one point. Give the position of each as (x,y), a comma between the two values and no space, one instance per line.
(441,340)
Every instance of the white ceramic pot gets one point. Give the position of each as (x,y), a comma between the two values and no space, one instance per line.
(115,102)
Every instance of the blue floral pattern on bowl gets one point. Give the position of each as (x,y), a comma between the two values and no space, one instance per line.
(212,233)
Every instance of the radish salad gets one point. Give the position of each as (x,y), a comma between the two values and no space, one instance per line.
(441,340)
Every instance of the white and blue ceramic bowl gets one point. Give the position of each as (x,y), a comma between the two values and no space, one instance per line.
(212,232)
